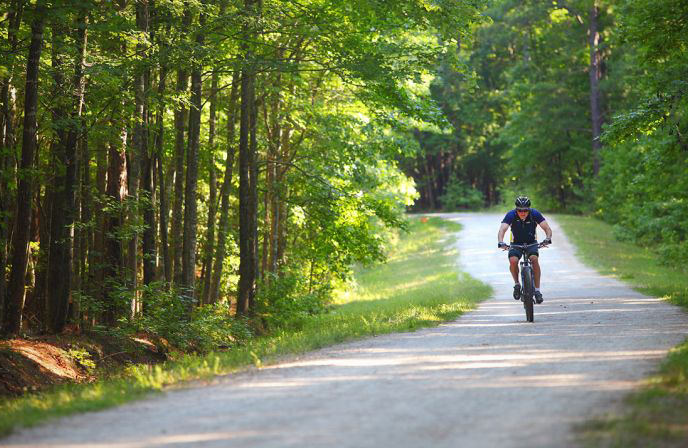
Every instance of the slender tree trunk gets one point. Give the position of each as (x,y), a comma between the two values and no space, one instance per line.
(164,211)
(273,169)
(20,241)
(223,225)
(87,239)
(247,181)
(212,201)
(36,301)
(96,257)
(116,191)
(595,73)
(60,265)
(253,192)
(161,26)
(14,15)
(147,165)
(180,120)
(283,212)
(190,203)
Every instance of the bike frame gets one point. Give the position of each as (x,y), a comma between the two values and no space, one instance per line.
(527,278)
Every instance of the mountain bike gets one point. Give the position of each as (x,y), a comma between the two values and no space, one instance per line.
(527,278)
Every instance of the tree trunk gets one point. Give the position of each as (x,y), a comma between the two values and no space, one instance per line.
(116,191)
(14,15)
(20,239)
(87,233)
(96,257)
(164,211)
(147,160)
(595,73)
(274,178)
(223,225)
(180,120)
(212,201)
(64,201)
(190,205)
(36,301)
(253,192)
(248,200)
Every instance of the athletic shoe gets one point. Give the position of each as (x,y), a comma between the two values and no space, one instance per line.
(538,297)
(517,292)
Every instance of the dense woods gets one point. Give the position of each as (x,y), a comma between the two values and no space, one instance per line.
(179,167)
(579,104)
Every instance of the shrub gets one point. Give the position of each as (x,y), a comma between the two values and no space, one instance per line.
(172,316)
(460,195)
(287,300)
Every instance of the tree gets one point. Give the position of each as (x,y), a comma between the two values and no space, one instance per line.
(248,199)
(190,204)
(15,289)
(67,115)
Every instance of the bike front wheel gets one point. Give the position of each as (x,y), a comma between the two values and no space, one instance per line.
(527,293)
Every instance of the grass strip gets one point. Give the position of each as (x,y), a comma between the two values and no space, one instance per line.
(657,414)
(420,286)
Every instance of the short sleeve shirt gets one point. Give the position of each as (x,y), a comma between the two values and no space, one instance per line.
(523,231)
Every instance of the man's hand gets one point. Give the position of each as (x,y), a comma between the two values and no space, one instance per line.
(546,241)
(502,245)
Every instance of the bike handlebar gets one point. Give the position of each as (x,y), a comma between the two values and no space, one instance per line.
(523,246)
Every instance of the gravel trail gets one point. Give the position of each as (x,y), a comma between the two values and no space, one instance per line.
(488,379)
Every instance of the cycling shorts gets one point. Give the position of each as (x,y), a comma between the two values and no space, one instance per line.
(533,250)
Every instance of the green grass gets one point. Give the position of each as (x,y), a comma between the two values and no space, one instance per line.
(420,286)
(657,414)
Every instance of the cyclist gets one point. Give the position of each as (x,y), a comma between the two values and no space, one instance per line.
(523,221)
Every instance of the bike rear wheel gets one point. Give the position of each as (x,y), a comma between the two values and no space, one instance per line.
(527,293)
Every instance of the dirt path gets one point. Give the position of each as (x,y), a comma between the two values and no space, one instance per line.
(488,379)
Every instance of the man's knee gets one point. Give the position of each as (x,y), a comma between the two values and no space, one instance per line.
(513,261)
(534,260)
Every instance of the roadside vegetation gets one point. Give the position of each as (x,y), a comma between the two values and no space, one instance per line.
(656,415)
(419,286)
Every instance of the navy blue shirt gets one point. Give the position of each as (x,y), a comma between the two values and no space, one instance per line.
(523,231)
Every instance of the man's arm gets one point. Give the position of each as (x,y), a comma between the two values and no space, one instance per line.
(502,230)
(547,229)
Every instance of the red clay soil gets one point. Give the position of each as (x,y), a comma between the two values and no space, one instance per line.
(35,364)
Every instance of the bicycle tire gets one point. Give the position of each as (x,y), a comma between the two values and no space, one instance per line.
(527,278)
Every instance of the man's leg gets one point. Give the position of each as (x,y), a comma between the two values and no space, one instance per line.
(513,267)
(536,269)
(536,273)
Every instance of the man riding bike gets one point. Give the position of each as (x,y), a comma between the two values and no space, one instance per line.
(523,221)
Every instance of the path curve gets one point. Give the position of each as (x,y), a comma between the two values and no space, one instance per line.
(488,379)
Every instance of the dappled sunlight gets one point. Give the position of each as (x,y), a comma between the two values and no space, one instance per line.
(401,286)
(163,440)
(292,383)
(492,359)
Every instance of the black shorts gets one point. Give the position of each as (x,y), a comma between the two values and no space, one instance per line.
(532,250)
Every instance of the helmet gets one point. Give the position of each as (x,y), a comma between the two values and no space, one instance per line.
(522,203)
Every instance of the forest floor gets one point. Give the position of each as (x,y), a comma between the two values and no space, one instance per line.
(39,363)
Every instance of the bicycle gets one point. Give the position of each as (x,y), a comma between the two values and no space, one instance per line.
(527,278)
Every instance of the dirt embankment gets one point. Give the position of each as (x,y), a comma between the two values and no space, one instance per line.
(36,364)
